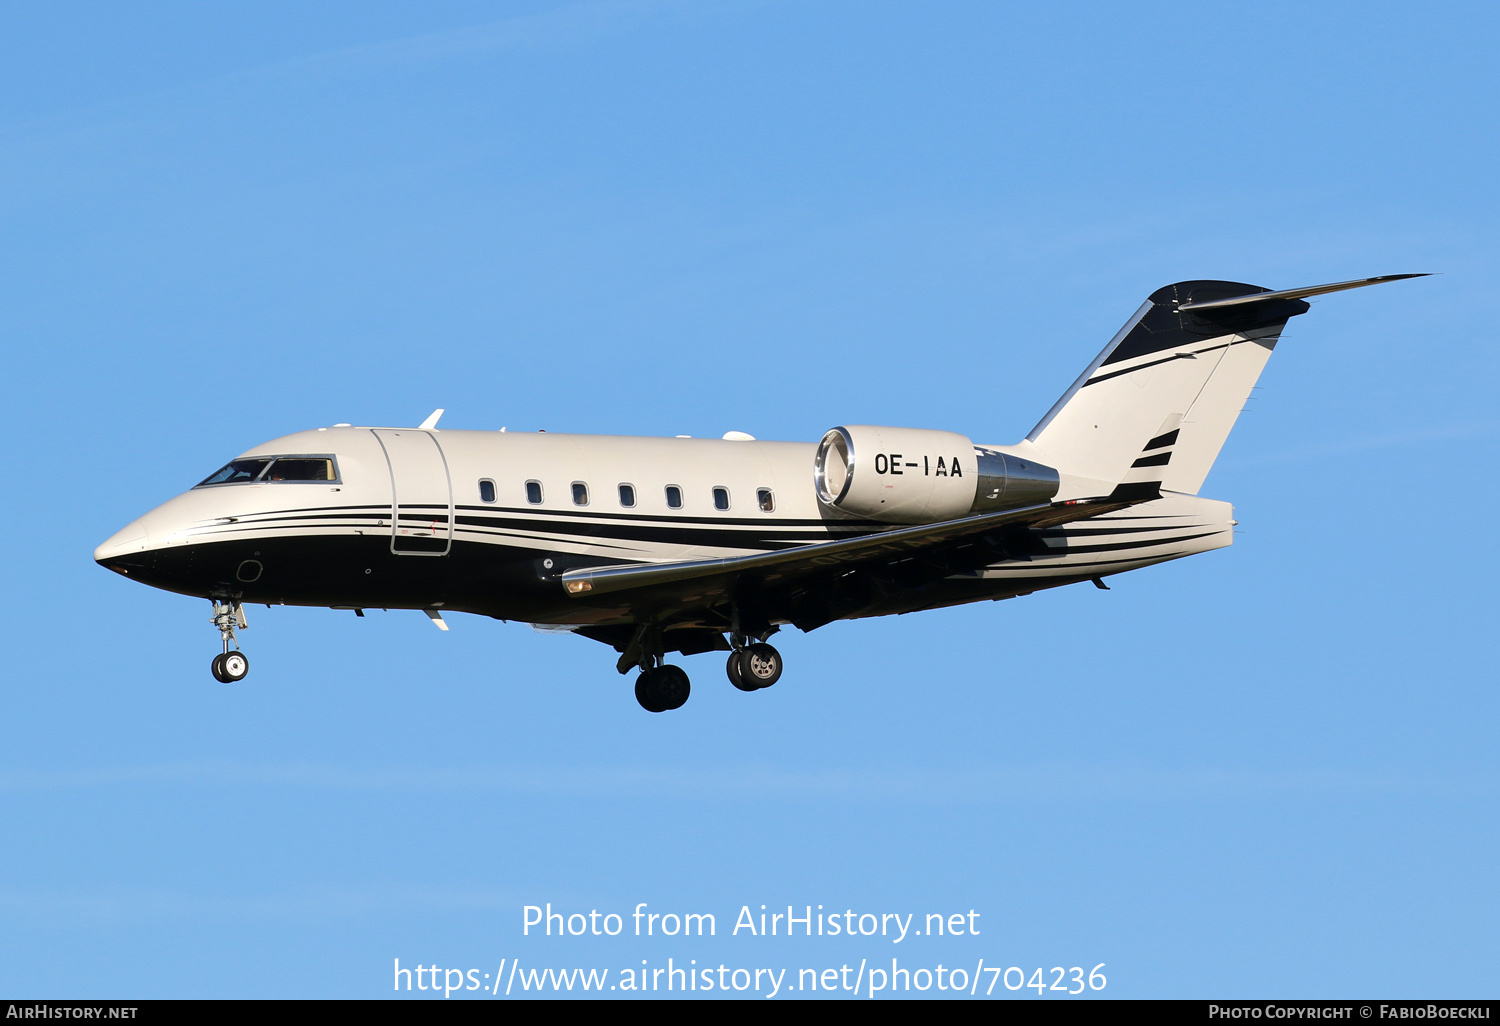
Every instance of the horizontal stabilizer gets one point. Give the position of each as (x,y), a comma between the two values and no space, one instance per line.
(1302,293)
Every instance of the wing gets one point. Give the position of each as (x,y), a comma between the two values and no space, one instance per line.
(770,581)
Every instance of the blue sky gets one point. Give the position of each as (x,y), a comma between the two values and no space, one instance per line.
(1265,771)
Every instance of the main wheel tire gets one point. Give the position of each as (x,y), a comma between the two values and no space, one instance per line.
(736,670)
(234,666)
(662,689)
(218,669)
(647,693)
(674,686)
(760,665)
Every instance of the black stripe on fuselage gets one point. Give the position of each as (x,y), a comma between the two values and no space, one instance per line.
(527,526)
(769,520)
(531,513)
(764,537)
(699,533)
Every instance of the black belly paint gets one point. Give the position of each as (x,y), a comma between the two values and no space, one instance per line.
(497,580)
(359,571)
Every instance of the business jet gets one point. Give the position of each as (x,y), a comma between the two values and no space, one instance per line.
(687,545)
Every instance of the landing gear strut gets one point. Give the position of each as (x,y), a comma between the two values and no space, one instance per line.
(232,665)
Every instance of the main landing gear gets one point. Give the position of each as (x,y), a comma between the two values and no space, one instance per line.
(754,667)
(231,666)
(662,688)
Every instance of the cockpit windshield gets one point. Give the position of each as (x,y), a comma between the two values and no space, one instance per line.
(239,470)
(275,469)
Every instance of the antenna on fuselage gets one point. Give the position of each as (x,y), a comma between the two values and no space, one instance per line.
(431,422)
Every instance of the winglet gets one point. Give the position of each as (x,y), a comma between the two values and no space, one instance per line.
(430,422)
(1302,293)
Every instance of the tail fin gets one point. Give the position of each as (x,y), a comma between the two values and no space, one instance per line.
(1154,408)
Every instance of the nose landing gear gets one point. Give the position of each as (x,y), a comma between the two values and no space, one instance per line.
(232,665)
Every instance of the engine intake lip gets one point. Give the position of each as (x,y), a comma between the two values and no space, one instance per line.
(836,438)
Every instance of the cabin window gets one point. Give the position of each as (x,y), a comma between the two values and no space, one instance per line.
(580,494)
(721,498)
(766,500)
(534,492)
(674,497)
(627,495)
(486,490)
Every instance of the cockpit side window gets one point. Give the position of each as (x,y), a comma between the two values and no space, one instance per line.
(276,469)
(302,468)
(239,470)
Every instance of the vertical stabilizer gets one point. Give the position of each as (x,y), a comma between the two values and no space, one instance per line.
(1154,408)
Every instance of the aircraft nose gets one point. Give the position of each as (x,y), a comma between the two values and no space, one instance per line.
(128,540)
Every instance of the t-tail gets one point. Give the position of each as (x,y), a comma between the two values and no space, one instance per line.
(1152,411)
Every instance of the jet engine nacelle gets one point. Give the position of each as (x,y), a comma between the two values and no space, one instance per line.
(914,476)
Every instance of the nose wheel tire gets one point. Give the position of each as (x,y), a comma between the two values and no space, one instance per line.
(754,667)
(230,667)
(662,689)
